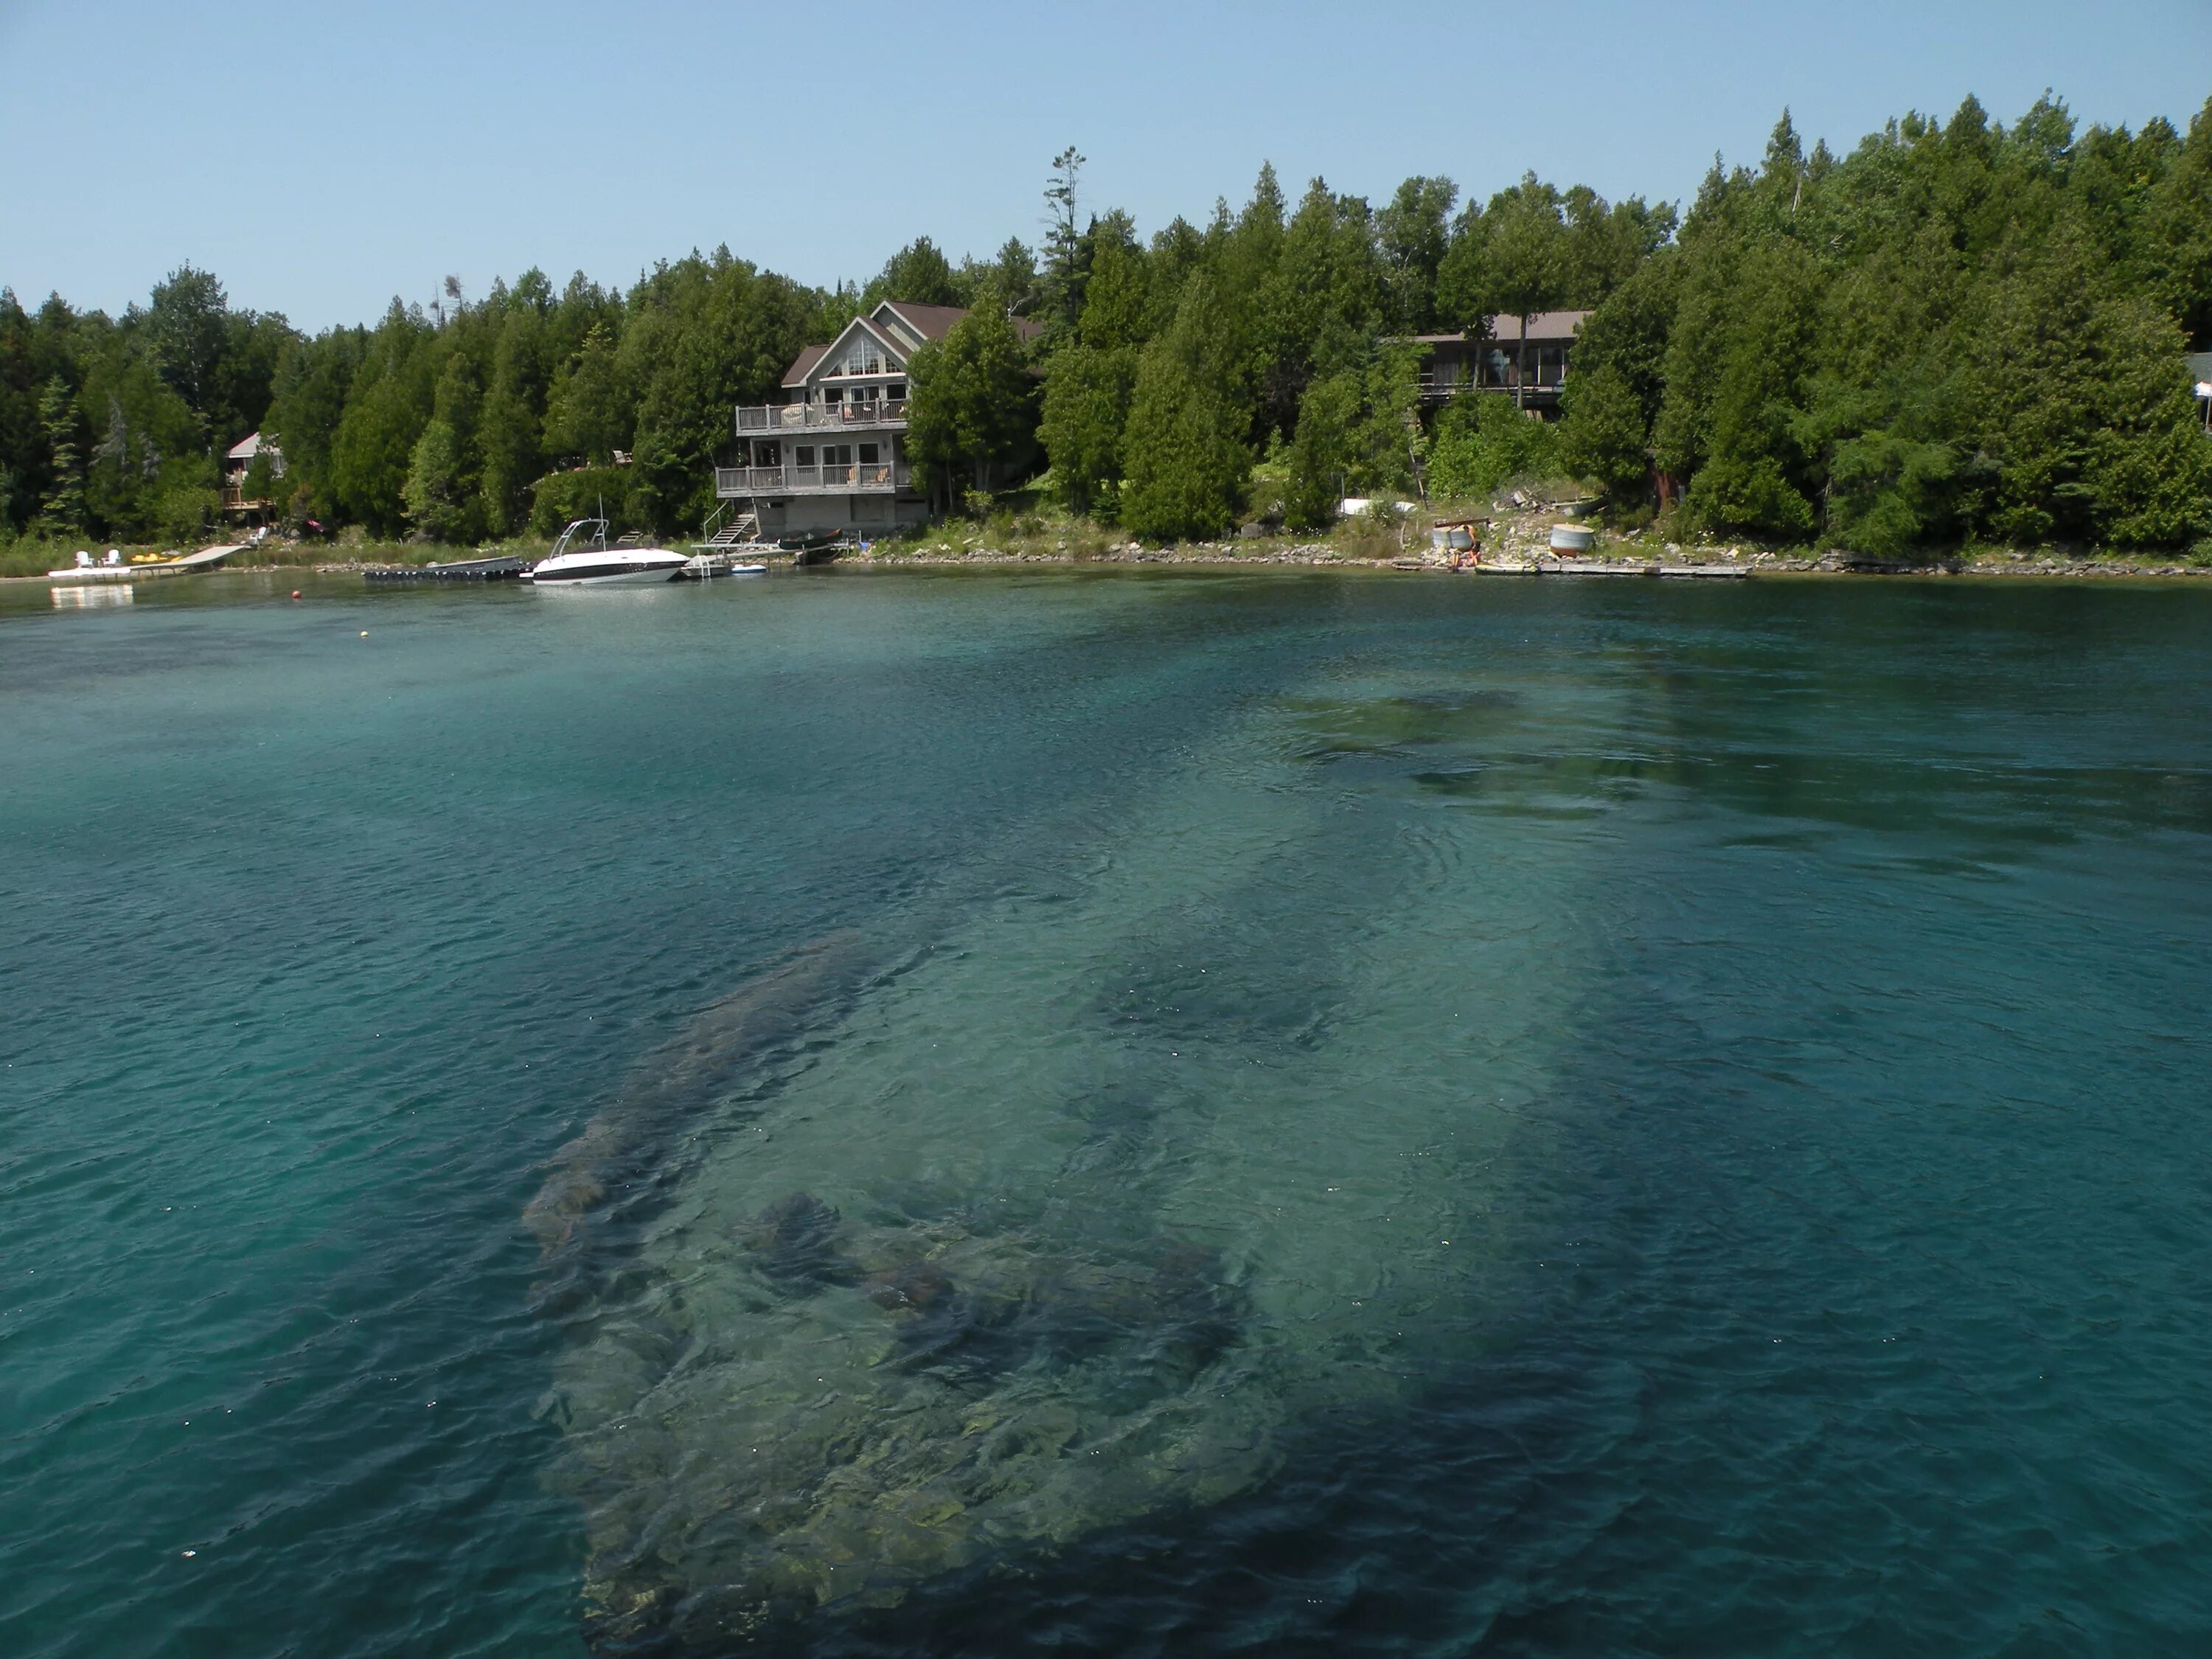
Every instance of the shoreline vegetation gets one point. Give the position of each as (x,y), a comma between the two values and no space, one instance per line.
(1962,335)
(1512,543)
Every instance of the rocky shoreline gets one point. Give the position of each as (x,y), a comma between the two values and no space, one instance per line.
(1317,556)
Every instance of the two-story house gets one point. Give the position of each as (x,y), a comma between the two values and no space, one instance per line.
(832,454)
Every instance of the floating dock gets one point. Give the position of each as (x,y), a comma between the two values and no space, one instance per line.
(1615,567)
(460,570)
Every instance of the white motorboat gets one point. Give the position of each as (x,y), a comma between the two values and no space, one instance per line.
(582,558)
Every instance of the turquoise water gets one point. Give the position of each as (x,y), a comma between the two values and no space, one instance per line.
(913,1114)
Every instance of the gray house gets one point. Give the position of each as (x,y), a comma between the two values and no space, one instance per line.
(832,454)
(1493,361)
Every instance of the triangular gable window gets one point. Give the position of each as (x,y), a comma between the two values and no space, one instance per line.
(859,350)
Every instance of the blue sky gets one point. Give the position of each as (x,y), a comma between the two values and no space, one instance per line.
(323,158)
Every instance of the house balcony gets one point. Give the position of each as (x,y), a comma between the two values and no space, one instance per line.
(871,478)
(878,413)
(1540,392)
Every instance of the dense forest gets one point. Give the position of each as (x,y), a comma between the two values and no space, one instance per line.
(1960,332)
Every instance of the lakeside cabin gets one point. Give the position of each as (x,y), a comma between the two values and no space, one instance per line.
(237,462)
(1492,361)
(832,455)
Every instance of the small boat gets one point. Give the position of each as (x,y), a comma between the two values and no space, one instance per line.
(814,547)
(705,566)
(582,558)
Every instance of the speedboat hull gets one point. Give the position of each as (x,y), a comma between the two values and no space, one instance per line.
(621,567)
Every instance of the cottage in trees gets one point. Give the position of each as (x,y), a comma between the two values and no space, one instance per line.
(832,455)
(247,490)
(1498,361)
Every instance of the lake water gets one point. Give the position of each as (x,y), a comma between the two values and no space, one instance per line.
(900,1114)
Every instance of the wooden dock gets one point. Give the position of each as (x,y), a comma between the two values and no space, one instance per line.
(1614,567)
(206,559)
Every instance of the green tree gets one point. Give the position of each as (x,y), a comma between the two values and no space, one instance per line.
(188,324)
(1483,442)
(436,496)
(1063,246)
(1117,297)
(1414,234)
(1184,452)
(1603,436)
(62,513)
(387,405)
(1510,261)
(1525,269)
(512,435)
(2175,241)
(918,274)
(590,410)
(1320,454)
(1086,404)
(1322,302)
(972,406)
(312,383)
(1756,477)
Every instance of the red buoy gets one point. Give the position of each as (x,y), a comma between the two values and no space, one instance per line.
(295,592)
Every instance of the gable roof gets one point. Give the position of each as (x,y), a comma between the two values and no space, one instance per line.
(807,357)
(245,448)
(929,322)
(804,365)
(899,326)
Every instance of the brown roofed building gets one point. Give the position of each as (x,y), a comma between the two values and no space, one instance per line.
(1492,362)
(832,454)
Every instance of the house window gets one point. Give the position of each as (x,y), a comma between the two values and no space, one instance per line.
(834,395)
(837,454)
(896,392)
(806,454)
(867,454)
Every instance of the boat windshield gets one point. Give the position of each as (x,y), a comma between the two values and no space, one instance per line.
(584,535)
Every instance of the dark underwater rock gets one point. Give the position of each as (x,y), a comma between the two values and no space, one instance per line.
(794,1242)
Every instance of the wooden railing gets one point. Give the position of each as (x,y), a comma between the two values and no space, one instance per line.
(794,480)
(1443,385)
(782,418)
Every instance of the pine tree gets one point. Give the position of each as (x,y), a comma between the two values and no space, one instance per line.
(1183,451)
(971,408)
(1086,404)
(511,436)
(61,514)
(1321,454)
(1412,234)
(1754,476)
(437,506)
(1603,437)
(589,411)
